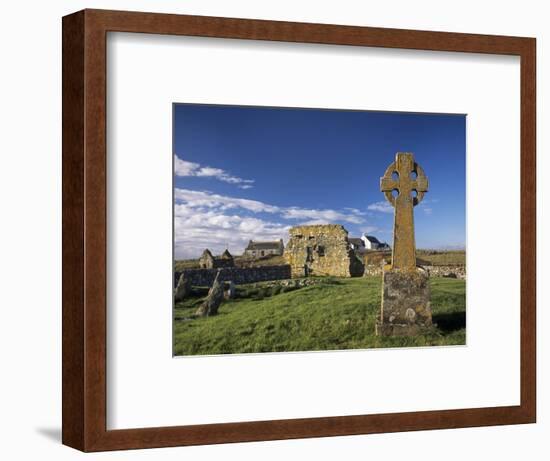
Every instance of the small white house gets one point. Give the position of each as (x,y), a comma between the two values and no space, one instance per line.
(372,243)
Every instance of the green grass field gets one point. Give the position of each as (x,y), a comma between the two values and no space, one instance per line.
(442,258)
(335,314)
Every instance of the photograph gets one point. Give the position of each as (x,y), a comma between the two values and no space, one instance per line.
(301,229)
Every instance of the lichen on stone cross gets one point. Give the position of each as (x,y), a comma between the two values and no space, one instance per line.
(404,185)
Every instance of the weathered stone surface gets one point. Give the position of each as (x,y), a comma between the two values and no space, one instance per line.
(458,271)
(183,288)
(212,302)
(406,309)
(208,261)
(321,250)
(407,179)
(238,275)
(227,256)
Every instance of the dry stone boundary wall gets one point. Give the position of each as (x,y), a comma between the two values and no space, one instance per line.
(237,275)
(458,272)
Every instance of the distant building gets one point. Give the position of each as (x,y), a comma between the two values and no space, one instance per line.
(208,261)
(259,249)
(367,243)
(372,243)
(226,255)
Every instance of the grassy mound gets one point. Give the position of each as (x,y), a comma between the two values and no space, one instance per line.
(333,314)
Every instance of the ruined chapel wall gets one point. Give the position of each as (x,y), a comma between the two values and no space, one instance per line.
(323,249)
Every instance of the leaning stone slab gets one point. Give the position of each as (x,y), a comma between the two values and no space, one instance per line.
(212,302)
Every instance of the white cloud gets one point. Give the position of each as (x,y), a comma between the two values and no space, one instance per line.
(382,207)
(312,222)
(322,215)
(184,168)
(207,199)
(386,207)
(197,228)
(428,210)
(207,220)
(370,229)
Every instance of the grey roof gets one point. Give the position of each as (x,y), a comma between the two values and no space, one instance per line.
(372,239)
(226,255)
(356,241)
(263,245)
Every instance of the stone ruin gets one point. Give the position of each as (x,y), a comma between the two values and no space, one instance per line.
(208,261)
(321,249)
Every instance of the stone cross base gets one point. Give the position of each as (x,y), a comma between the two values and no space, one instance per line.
(406,307)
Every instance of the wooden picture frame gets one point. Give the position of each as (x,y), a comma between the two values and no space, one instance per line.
(85,222)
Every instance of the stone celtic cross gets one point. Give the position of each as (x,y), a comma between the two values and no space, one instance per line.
(404,185)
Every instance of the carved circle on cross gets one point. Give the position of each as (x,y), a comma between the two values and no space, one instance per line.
(391,182)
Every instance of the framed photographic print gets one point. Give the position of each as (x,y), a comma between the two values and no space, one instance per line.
(253,243)
(278,230)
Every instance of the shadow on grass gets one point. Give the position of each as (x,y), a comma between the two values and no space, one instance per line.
(450,321)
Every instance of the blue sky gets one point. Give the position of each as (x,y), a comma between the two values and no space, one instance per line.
(244,173)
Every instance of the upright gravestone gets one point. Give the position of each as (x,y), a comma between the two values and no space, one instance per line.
(183,288)
(405,307)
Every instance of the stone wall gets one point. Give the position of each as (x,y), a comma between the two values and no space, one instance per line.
(238,275)
(458,272)
(447,271)
(373,271)
(321,250)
